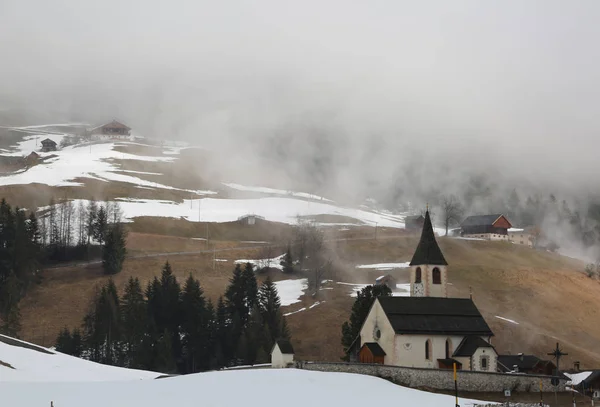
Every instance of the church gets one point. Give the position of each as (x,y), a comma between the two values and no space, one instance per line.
(427,329)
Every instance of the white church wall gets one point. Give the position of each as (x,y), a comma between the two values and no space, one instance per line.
(410,350)
(377,318)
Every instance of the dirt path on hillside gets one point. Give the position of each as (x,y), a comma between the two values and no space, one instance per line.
(206,251)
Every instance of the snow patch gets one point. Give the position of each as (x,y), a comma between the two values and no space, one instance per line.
(402,290)
(577,378)
(274,191)
(507,320)
(384,266)
(290,291)
(262,263)
(294,312)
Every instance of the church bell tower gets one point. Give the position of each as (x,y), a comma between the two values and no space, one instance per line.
(429,269)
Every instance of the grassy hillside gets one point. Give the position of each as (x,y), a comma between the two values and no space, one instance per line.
(547,294)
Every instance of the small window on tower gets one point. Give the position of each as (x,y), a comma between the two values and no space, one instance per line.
(418,275)
(436,276)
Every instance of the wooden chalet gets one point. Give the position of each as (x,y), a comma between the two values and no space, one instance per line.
(414,223)
(493,227)
(48,145)
(113,129)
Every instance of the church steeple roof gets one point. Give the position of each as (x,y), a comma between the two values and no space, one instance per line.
(428,251)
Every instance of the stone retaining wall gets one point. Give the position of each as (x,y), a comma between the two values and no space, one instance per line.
(438,379)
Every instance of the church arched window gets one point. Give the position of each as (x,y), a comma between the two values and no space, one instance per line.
(436,276)
(418,275)
(448,348)
(428,349)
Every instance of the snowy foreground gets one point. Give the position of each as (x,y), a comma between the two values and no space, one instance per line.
(263,387)
(38,376)
(31,363)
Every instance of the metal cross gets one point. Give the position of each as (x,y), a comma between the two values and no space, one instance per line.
(557,353)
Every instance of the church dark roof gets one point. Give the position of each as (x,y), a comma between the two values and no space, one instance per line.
(375,349)
(428,251)
(470,344)
(434,315)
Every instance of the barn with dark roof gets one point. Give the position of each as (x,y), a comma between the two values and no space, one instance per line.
(490,227)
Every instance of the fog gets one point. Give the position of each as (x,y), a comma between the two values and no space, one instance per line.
(354,95)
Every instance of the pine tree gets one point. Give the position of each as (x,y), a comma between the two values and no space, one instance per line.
(234,295)
(164,308)
(9,306)
(100,225)
(134,322)
(63,341)
(212,336)
(360,309)
(102,326)
(287,262)
(92,211)
(110,322)
(114,250)
(194,327)
(165,360)
(270,309)
(250,288)
(76,343)
(7,240)
(256,336)
(92,336)
(223,350)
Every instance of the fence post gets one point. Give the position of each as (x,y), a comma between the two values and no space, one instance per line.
(455,385)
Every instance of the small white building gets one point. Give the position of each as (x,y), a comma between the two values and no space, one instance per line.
(524,237)
(426,330)
(282,354)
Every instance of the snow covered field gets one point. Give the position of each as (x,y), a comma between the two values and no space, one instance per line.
(273,191)
(44,365)
(286,387)
(284,210)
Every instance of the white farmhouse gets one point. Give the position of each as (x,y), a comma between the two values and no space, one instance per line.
(282,354)
(427,330)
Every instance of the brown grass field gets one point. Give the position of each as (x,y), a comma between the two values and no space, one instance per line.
(547,294)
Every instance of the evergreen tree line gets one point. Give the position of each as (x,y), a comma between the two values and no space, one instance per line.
(171,329)
(19,262)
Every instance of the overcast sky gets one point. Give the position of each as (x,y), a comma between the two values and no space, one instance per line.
(516,82)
